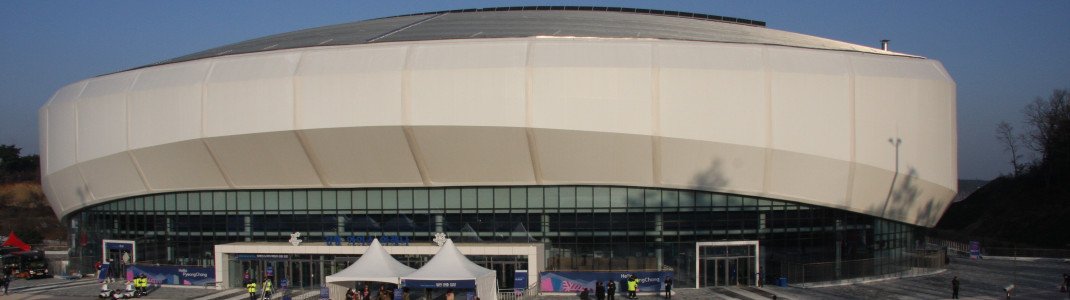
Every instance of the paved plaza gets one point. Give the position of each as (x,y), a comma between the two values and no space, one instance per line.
(980,279)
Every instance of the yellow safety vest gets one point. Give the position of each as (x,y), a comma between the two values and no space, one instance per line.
(632,285)
(252,287)
(267,286)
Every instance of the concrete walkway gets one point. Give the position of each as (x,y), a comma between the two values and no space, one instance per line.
(980,279)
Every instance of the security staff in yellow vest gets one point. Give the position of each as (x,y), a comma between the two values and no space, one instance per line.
(252,290)
(633,286)
(267,288)
(140,283)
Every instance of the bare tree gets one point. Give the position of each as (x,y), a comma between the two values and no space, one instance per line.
(1005,134)
(1049,119)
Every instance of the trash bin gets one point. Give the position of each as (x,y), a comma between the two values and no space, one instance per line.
(782,282)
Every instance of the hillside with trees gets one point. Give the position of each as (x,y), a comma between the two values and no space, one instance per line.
(1031,206)
(23,206)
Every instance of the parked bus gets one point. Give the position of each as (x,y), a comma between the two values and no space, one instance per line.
(26,264)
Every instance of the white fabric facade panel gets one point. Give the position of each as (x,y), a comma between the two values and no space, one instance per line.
(794,175)
(600,86)
(694,164)
(459,84)
(713,93)
(102,116)
(250,94)
(112,176)
(810,110)
(343,87)
(275,159)
(475,155)
(164,104)
(517,111)
(62,142)
(363,156)
(177,166)
(584,157)
(68,189)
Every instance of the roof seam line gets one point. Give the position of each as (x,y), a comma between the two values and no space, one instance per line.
(372,40)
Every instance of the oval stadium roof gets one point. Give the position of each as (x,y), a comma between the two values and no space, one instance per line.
(535,21)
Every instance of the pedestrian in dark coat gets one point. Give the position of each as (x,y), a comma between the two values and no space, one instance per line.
(599,290)
(611,290)
(955,287)
(668,288)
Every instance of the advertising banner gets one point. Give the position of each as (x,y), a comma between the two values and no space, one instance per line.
(975,249)
(520,279)
(577,281)
(103,273)
(174,275)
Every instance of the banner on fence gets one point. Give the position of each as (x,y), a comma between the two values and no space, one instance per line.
(174,275)
(975,249)
(577,281)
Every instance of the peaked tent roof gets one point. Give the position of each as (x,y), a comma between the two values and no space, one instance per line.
(375,265)
(449,264)
(14,241)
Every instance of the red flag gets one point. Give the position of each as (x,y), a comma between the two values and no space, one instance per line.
(14,241)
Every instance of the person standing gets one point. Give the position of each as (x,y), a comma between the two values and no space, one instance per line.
(955,287)
(1066,284)
(599,290)
(668,288)
(633,286)
(449,294)
(267,288)
(5,281)
(611,290)
(251,287)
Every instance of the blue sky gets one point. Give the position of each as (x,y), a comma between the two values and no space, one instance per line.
(1002,54)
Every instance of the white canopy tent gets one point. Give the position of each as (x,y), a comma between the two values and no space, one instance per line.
(375,265)
(450,269)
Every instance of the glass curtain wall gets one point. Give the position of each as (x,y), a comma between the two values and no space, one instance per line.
(585,228)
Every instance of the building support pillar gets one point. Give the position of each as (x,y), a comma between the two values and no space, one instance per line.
(248,220)
(659,227)
(839,247)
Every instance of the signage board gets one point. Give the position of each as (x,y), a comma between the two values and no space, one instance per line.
(520,279)
(975,249)
(119,246)
(439,284)
(353,240)
(257,256)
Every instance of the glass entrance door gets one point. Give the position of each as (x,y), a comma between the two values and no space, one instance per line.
(726,263)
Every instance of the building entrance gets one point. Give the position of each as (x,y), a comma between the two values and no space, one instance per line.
(727,263)
(294,271)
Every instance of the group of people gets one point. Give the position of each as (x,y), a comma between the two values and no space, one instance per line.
(135,288)
(265,288)
(140,285)
(385,293)
(608,291)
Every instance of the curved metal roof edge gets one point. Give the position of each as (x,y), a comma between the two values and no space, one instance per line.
(656,12)
(432,15)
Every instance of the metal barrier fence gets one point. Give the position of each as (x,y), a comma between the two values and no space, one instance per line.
(531,292)
(830,271)
(1026,252)
(963,249)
